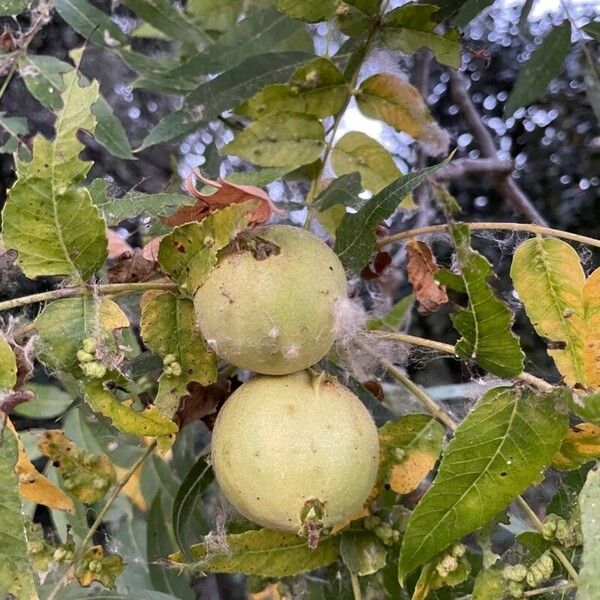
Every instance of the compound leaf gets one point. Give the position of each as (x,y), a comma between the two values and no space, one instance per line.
(485,323)
(499,449)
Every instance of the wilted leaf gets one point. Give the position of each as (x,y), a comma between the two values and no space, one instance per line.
(189,252)
(263,552)
(411,27)
(224,194)
(149,422)
(16,576)
(362,552)
(544,65)
(409,449)
(283,139)
(356,237)
(116,244)
(96,566)
(357,152)
(580,446)
(64,324)
(516,433)
(391,98)
(317,88)
(420,268)
(168,328)
(85,475)
(53,225)
(8,365)
(589,576)
(564,307)
(131,267)
(485,324)
(307,10)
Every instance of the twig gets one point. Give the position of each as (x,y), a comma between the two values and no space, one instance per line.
(507,185)
(473,166)
(109,288)
(559,587)
(527,227)
(65,579)
(449,349)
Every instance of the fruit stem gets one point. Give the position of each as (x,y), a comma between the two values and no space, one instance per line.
(355,586)
(527,227)
(109,288)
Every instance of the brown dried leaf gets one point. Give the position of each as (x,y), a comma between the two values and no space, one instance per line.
(421,267)
(131,266)
(226,193)
(202,402)
(116,244)
(408,475)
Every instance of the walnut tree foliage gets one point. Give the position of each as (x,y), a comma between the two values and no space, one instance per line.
(108,390)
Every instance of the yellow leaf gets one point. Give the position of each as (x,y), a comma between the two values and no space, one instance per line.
(111,317)
(271,592)
(132,489)
(581,445)
(406,476)
(564,307)
(33,486)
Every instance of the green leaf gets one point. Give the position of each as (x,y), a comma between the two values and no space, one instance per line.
(43,77)
(317,88)
(411,27)
(589,576)
(356,238)
(356,16)
(391,98)
(91,23)
(279,140)
(561,304)
(362,552)
(263,552)
(165,16)
(53,225)
(215,15)
(16,576)
(307,10)
(409,449)
(14,127)
(489,585)
(357,152)
(168,328)
(49,402)
(64,324)
(469,10)
(84,475)
(149,422)
(110,131)
(544,65)
(592,29)
(343,190)
(188,497)
(189,252)
(395,317)
(160,543)
(587,407)
(485,324)
(500,448)
(8,365)
(226,91)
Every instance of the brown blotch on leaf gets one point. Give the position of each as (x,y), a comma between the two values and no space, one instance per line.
(421,267)
(202,402)
(131,267)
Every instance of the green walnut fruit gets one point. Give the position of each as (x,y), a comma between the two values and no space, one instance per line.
(269,303)
(295,451)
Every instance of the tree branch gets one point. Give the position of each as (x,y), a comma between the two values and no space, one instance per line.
(473,166)
(506,185)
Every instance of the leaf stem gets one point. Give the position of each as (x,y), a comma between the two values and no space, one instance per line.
(527,227)
(65,579)
(355,586)
(70,292)
(449,349)
(560,587)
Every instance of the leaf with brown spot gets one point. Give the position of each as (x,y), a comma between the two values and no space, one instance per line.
(421,268)
(131,267)
(226,193)
(33,486)
(111,567)
(409,449)
(580,446)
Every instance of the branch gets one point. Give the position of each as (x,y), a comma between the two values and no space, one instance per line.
(527,227)
(109,288)
(473,166)
(507,185)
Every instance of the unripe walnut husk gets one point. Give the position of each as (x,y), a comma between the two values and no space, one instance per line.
(269,303)
(285,448)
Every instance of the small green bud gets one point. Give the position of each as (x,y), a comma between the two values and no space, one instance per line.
(93,370)
(99,483)
(396,536)
(59,554)
(69,556)
(371,522)
(168,359)
(515,589)
(515,573)
(459,550)
(89,345)
(540,570)
(35,547)
(176,369)
(447,565)
(399,454)
(84,357)
(385,533)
